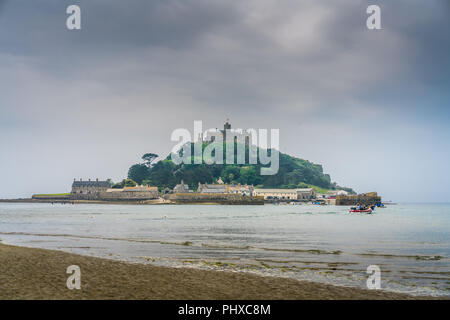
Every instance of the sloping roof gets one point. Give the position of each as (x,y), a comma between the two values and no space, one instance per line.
(214,186)
(240,187)
(114,190)
(276,190)
(181,187)
(92,184)
(140,188)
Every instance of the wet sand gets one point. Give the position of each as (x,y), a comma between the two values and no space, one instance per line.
(28,273)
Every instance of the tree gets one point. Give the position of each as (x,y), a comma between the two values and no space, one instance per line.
(138,173)
(248,175)
(118,185)
(162,174)
(129,183)
(293,173)
(149,158)
(302,185)
(230,173)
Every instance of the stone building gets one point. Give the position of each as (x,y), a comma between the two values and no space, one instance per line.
(306,194)
(276,194)
(245,190)
(181,188)
(211,188)
(88,190)
(243,136)
(138,193)
(101,190)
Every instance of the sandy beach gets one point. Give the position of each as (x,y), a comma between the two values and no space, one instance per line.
(29,273)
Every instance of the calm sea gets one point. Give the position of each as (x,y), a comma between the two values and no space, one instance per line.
(409,242)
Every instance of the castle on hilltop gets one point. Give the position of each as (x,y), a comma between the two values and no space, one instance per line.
(240,135)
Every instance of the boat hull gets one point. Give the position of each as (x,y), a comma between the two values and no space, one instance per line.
(368,211)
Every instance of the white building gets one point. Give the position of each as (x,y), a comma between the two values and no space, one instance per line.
(286,194)
(338,193)
(276,194)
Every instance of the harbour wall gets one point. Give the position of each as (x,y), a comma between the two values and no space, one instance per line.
(221,198)
(353,200)
(128,195)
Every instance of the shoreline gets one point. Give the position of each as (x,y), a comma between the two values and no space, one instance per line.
(159,201)
(125,202)
(33,273)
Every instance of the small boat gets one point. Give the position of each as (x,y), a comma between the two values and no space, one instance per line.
(355,210)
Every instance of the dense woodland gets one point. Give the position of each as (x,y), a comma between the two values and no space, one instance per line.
(293,173)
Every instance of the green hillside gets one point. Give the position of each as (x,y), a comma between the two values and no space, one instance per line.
(293,173)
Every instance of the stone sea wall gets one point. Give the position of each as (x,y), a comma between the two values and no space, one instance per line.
(128,195)
(50,197)
(353,200)
(221,198)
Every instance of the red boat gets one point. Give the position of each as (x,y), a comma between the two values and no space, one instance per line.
(361,211)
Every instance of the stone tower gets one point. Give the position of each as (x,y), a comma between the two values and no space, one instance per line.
(227,125)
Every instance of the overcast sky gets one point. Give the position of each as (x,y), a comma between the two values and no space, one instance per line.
(371,106)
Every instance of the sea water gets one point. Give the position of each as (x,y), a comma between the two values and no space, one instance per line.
(409,242)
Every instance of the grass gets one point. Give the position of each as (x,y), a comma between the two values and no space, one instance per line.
(305,185)
(318,189)
(52,195)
